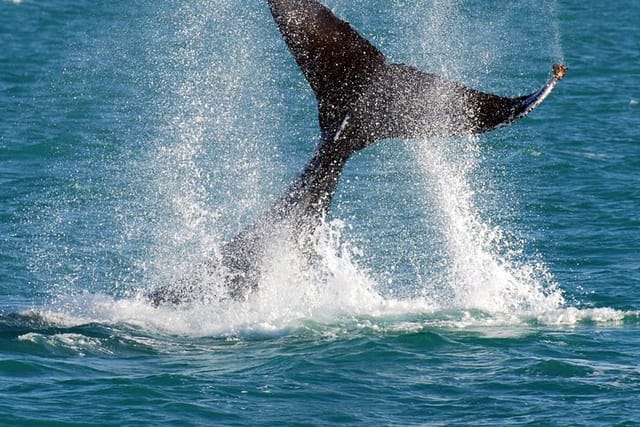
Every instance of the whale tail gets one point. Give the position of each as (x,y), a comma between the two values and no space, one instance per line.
(361,99)
(351,77)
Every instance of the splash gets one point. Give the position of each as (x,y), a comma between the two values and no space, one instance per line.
(213,160)
(484,268)
(138,321)
(213,168)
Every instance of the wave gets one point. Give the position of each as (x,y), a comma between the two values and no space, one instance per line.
(101,324)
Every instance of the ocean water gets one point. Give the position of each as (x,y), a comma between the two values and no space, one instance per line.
(464,281)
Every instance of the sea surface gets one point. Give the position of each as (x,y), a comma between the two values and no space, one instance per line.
(489,280)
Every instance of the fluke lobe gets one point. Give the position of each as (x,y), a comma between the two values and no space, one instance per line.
(361,99)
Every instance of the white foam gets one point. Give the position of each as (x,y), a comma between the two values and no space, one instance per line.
(72,342)
(261,317)
(572,316)
(333,296)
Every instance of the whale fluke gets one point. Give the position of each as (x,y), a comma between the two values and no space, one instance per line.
(361,99)
(338,63)
(351,76)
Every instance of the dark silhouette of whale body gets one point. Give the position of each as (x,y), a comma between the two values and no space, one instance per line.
(361,99)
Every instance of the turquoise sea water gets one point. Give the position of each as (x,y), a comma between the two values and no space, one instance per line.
(472,281)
